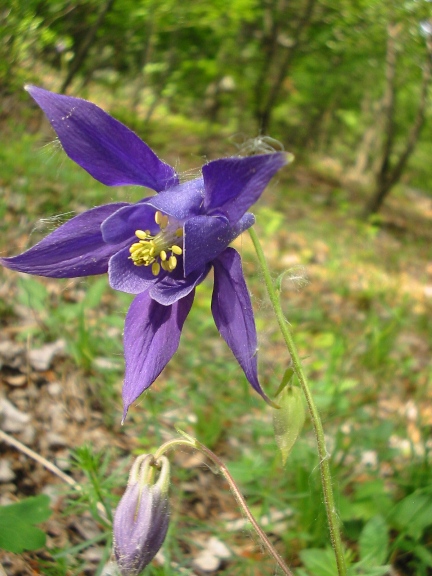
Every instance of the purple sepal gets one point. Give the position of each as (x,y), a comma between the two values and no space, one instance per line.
(151,337)
(205,237)
(232,185)
(103,146)
(233,314)
(74,249)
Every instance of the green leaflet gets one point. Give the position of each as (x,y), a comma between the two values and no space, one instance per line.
(17,530)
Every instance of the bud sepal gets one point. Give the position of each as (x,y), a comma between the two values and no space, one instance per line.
(142,516)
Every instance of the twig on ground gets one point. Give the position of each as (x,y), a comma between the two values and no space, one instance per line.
(38,458)
(48,465)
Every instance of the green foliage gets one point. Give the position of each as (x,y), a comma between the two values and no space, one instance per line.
(96,494)
(374,543)
(17,524)
(318,563)
(373,551)
(413,514)
(58,319)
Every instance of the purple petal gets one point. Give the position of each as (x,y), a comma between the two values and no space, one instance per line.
(125,276)
(171,289)
(103,146)
(181,201)
(232,185)
(233,314)
(74,249)
(205,237)
(151,337)
(122,224)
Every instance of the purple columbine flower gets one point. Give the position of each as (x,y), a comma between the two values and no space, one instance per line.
(142,517)
(160,248)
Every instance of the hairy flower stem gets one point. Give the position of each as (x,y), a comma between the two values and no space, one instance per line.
(332,517)
(222,469)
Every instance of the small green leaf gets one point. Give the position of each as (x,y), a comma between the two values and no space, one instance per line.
(17,530)
(278,281)
(373,542)
(319,562)
(194,442)
(413,514)
(377,571)
(424,554)
(288,420)
(288,374)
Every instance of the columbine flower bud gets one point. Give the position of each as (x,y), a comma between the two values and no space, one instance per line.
(142,516)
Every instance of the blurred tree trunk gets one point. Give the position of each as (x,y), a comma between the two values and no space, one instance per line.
(171,65)
(369,144)
(144,58)
(272,19)
(328,128)
(389,173)
(85,46)
(12,38)
(273,44)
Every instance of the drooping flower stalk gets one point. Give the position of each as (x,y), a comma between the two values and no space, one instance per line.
(326,480)
(220,468)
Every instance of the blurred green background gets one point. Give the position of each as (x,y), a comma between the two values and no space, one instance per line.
(343,86)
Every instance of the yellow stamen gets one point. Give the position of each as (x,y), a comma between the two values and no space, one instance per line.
(158,217)
(159,251)
(161,220)
(135,247)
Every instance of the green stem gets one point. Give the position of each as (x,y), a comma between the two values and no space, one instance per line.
(332,517)
(220,467)
(96,485)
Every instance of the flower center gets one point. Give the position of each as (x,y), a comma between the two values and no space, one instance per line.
(158,251)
